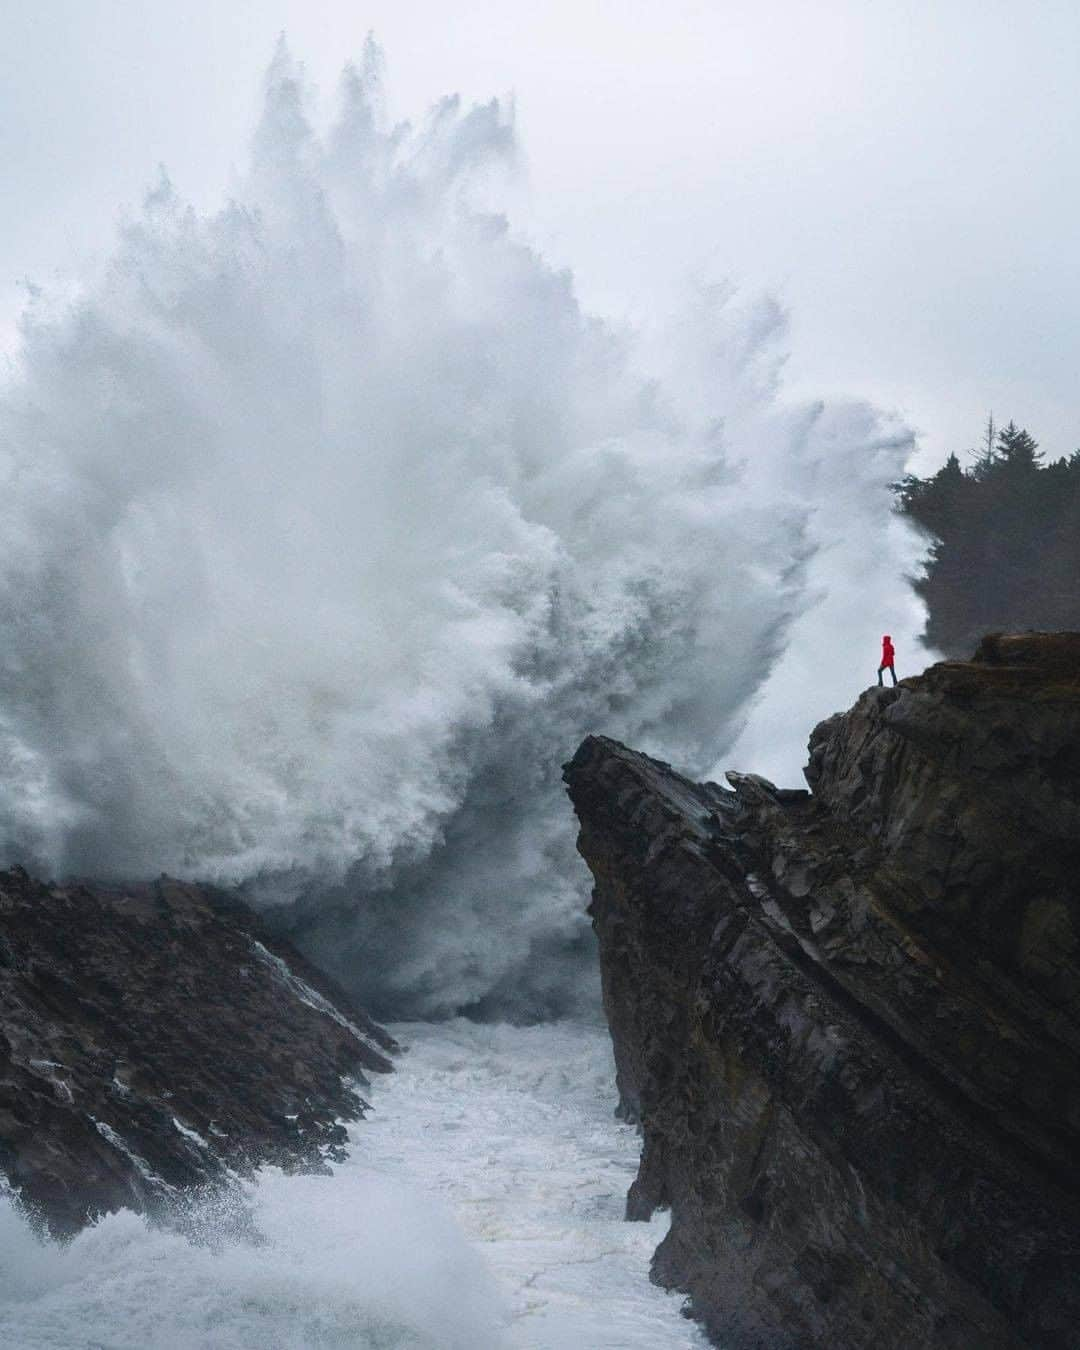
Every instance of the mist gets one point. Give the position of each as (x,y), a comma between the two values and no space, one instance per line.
(289,1260)
(331,523)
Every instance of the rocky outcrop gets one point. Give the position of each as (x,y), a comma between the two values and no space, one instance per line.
(849,1021)
(154,1038)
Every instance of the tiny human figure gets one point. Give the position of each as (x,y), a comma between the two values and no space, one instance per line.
(888,657)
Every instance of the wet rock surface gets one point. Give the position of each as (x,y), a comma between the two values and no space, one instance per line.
(155,1037)
(849,1021)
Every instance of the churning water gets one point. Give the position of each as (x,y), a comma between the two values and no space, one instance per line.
(481,1209)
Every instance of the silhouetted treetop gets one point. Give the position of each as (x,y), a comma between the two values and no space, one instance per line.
(1005,550)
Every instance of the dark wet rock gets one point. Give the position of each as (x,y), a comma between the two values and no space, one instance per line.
(152,1038)
(849,1022)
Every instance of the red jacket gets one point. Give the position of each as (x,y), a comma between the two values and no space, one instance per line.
(888,656)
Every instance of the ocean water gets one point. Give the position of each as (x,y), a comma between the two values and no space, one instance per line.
(481,1208)
(514,1129)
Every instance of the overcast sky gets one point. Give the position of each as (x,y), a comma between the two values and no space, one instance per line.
(902,175)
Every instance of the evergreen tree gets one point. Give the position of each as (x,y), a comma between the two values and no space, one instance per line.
(1004,548)
(1017,449)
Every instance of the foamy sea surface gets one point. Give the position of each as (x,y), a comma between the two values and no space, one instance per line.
(481,1206)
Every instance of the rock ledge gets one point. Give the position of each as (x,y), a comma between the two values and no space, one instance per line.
(849,1021)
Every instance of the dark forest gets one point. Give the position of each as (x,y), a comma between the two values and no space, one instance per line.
(1005,551)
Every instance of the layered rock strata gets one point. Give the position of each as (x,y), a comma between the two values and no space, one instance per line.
(154,1038)
(849,1021)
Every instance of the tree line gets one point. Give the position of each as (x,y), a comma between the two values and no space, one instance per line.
(1005,532)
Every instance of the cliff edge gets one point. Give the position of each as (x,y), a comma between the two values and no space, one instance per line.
(848,1020)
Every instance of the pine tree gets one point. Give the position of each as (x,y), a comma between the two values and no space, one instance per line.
(1017,449)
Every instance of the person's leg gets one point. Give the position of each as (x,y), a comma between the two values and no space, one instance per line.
(879,670)
(892,672)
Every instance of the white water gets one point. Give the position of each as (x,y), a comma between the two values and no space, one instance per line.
(514,1128)
(481,1208)
(330,523)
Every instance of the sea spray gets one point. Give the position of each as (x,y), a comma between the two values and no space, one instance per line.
(330,523)
(356,1261)
(482,1206)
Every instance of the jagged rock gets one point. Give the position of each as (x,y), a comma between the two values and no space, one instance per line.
(153,1037)
(849,1021)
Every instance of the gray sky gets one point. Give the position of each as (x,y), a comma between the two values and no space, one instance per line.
(903,175)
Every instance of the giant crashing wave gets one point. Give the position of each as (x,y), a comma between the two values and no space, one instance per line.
(330,524)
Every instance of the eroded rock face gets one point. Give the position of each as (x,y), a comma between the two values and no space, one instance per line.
(849,1022)
(154,1036)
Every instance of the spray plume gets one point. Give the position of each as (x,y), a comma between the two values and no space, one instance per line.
(331,523)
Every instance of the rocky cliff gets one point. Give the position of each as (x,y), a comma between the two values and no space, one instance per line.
(849,1020)
(154,1038)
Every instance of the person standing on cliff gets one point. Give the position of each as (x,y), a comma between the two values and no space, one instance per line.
(888,657)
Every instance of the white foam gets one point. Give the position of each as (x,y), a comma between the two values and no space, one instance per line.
(481,1208)
(359,1263)
(514,1128)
